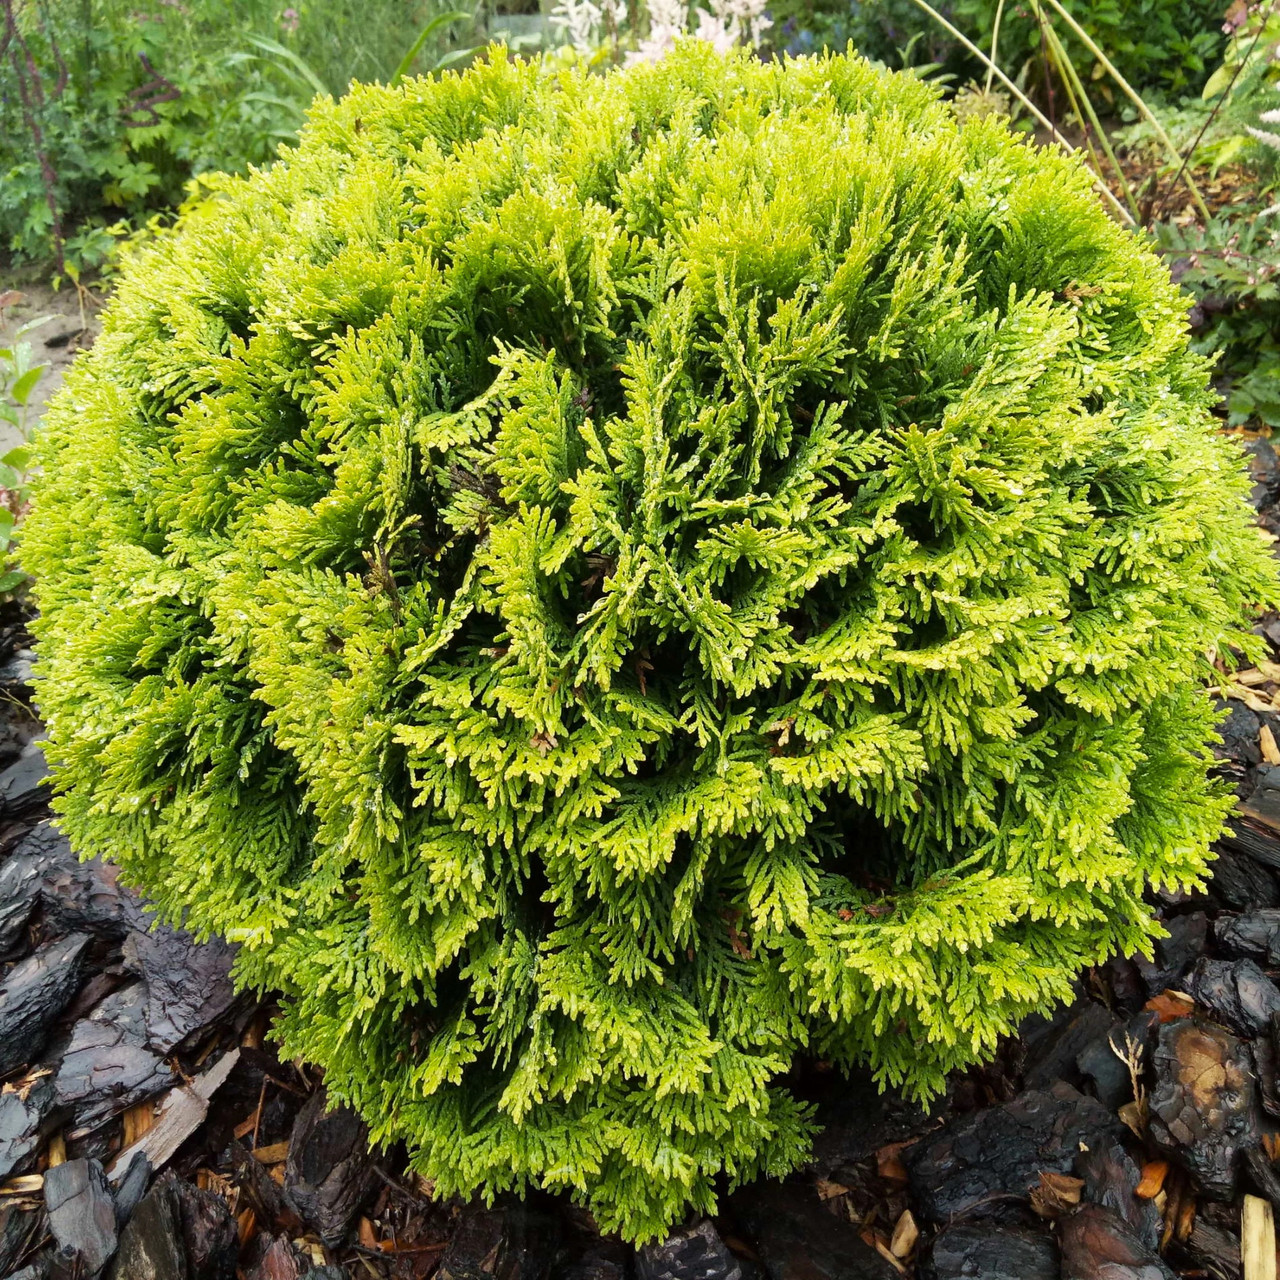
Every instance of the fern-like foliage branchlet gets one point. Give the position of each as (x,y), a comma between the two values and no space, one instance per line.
(604,584)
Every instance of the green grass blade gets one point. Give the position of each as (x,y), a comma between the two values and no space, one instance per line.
(278,50)
(442,20)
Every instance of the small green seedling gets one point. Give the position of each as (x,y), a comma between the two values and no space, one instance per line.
(20,375)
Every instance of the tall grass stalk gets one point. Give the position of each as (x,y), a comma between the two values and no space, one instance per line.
(1133,95)
(995,45)
(1082,105)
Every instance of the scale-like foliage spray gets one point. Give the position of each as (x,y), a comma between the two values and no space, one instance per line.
(602,585)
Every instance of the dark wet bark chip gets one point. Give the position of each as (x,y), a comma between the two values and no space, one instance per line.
(82,1213)
(983,1161)
(32,996)
(794,1235)
(329,1173)
(971,1249)
(692,1253)
(1203,1106)
(1097,1244)
(108,1065)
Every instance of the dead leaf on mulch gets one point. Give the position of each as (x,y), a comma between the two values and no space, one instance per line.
(1250,697)
(1134,1118)
(880,1243)
(1169,1005)
(905,1235)
(1056,1193)
(25,1185)
(1251,679)
(1152,1181)
(28,1082)
(1186,1219)
(889,1162)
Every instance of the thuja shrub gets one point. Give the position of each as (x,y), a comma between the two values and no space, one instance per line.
(605,585)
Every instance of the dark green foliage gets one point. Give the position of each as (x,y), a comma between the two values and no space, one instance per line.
(602,585)
(897,33)
(1166,44)
(1232,269)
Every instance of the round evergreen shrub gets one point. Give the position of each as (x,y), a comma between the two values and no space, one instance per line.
(603,585)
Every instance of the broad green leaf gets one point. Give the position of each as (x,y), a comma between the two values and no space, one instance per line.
(25,385)
(1218,82)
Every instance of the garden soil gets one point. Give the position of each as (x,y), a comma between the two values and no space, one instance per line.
(71,318)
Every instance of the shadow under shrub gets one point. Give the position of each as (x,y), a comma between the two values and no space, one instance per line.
(603,585)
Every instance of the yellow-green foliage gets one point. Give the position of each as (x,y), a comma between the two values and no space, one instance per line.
(604,584)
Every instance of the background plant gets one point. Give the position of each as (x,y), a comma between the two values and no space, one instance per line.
(1171,45)
(1229,262)
(1218,128)
(893,32)
(20,375)
(1242,90)
(1232,267)
(109,107)
(1225,257)
(602,31)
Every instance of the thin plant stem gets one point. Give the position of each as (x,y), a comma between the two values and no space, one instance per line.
(995,46)
(1125,216)
(1047,56)
(1079,95)
(1134,96)
(1048,75)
